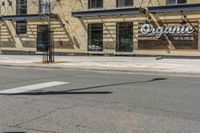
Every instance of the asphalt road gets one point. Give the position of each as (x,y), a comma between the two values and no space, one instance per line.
(92,102)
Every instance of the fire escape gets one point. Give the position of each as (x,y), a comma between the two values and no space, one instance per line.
(48,54)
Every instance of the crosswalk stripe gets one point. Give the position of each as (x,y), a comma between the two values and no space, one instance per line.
(32,87)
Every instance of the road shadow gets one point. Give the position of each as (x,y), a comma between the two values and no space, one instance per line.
(118,84)
(80,91)
(58,93)
(13,132)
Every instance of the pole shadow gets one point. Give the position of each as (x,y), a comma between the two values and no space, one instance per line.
(13,132)
(81,91)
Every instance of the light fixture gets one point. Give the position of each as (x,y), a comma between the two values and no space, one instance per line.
(183,22)
(184,19)
(147,21)
(9,3)
(62,25)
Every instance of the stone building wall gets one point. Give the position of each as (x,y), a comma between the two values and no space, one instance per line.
(73,36)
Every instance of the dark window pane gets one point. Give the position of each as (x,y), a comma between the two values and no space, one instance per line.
(181,1)
(42,38)
(44,6)
(95,4)
(129,2)
(124,3)
(21,27)
(124,37)
(173,2)
(95,37)
(21,7)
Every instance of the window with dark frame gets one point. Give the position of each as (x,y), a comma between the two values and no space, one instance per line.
(95,3)
(95,37)
(42,38)
(21,27)
(124,3)
(21,9)
(124,36)
(181,1)
(174,2)
(43,6)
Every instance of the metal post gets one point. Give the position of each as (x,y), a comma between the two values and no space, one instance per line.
(50,36)
(49,54)
(0,28)
(49,31)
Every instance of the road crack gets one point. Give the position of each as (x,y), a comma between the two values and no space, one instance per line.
(20,125)
(44,115)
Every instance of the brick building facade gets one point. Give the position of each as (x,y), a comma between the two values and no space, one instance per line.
(102,26)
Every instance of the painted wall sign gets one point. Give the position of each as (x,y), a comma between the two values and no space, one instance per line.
(163,30)
(181,36)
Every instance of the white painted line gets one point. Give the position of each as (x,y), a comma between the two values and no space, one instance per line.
(32,87)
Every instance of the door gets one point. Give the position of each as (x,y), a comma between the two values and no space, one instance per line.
(124,37)
(42,38)
(95,37)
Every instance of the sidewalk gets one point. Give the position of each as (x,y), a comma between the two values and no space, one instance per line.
(101,63)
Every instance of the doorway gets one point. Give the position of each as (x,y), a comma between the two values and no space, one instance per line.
(42,38)
(124,37)
(95,37)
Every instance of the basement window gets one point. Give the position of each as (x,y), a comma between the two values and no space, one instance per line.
(175,2)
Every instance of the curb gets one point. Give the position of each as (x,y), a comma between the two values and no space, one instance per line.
(136,71)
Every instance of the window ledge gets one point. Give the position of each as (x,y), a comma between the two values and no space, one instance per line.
(21,35)
(98,8)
